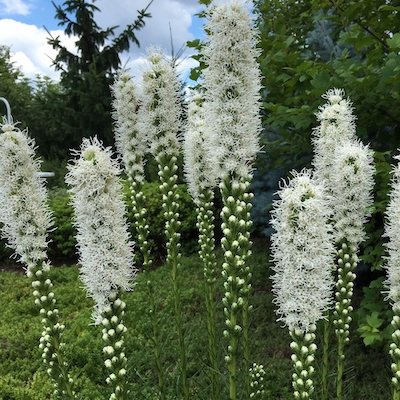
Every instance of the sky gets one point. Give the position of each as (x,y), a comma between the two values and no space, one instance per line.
(23,25)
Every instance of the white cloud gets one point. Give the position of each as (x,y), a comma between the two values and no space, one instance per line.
(29,47)
(29,42)
(19,7)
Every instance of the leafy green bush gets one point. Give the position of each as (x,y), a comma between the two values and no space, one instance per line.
(156,220)
(63,236)
(374,314)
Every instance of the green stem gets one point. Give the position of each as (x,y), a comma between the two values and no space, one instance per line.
(245,246)
(325,360)
(205,223)
(236,245)
(113,335)
(140,221)
(347,261)
(178,313)
(156,340)
(168,177)
(51,341)
(340,361)
(246,347)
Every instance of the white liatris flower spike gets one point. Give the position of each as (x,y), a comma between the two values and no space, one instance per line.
(25,214)
(337,124)
(200,166)
(105,249)
(392,231)
(26,219)
(351,188)
(160,113)
(129,140)
(232,85)
(302,251)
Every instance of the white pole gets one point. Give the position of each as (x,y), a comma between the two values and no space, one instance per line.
(9,117)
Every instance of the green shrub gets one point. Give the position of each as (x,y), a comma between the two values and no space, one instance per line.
(156,220)
(62,238)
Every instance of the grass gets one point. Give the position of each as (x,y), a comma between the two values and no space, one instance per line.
(23,377)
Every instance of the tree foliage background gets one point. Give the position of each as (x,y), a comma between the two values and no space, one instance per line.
(311,46)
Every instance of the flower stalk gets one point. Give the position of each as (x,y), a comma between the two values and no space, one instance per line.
(159,118)
(302,250)
(392,266)
(114,351)
(199,170)
(105,248)
(132,145)
(231,118)
(26,219)
(348,177)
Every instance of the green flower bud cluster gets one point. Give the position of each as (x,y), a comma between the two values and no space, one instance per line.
(394,352)
(205,225)
(257,374)
(236,244)
(304,348)
(138,201)
(114,351)
(167,172)
(347,261)
(51,344)
(168,177)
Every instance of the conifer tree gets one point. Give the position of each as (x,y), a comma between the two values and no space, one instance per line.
(87,73)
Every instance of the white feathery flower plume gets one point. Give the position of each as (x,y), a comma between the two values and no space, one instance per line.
(25,214)
(392,231)
(351,189)
(159,115)
(232,85)
(199,165)
(302,250)
(129,140)
(106,252)
(337,125)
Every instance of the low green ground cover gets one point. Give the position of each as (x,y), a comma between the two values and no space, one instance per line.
(23,375)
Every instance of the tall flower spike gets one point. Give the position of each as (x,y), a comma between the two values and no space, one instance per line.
(392,231)
(26,218)
(302,251)
(129,140)
(106,252)
(200,165)
(25,215)
(200,169)
(345,166)
(159,117)
(231,118)
(132,144)
(160,113)
(351,188)
(337,125)
(232,85)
